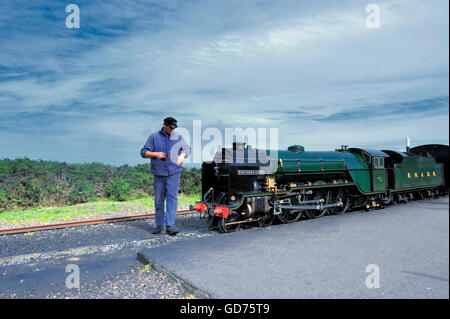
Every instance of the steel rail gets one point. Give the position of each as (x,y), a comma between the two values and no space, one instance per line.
(84,222)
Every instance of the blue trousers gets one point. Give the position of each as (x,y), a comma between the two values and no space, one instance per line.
(166,190)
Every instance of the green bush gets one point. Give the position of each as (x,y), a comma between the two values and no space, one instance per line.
(82,192)
(2,195)
(3,198)
(28,183)
(191,181)
(119,190)
(32,193)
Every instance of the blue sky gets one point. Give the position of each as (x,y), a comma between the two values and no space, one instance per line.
(312,69)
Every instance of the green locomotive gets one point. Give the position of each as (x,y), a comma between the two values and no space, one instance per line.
(244,185)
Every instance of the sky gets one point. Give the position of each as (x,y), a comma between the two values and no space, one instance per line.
(312,70)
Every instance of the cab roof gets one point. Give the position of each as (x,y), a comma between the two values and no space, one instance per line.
(370,152)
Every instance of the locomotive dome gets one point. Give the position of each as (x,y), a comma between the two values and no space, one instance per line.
(296,148)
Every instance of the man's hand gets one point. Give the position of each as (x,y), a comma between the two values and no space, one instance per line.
(180,159)
(160,155)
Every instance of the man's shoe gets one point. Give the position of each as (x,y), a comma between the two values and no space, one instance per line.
(160,229)
(172,230)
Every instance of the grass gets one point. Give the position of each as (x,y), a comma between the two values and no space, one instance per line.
(146,268)
(86,210)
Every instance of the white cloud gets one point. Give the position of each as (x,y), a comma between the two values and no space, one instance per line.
(232,63)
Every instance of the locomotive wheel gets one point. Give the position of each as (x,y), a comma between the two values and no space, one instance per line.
(224,226)
(403,198)
(289,216)
(429,194)
(338,196)
(367,204)
(396,199)
(422,195)
(266,220)
(386,200)
(317,213)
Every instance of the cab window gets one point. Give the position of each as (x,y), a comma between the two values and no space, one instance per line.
(378,162)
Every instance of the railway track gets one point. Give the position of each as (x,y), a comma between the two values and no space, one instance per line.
(85,222)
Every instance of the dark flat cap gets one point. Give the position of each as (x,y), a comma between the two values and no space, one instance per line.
(170,121)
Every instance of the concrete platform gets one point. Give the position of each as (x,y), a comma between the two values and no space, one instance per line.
(330,257)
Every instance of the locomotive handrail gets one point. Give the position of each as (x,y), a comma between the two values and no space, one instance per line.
(206,194)
(298,161)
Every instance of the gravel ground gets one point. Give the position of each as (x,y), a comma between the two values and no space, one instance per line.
(146,284)
(34,266)
(122,234)
(102,276)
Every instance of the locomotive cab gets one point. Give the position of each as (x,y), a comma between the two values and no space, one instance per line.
(376,161)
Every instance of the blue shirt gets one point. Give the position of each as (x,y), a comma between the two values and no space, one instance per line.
(172,146)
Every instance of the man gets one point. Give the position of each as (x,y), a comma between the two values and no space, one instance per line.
(167,150)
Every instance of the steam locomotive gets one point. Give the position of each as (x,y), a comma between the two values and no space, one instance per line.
(244,186)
